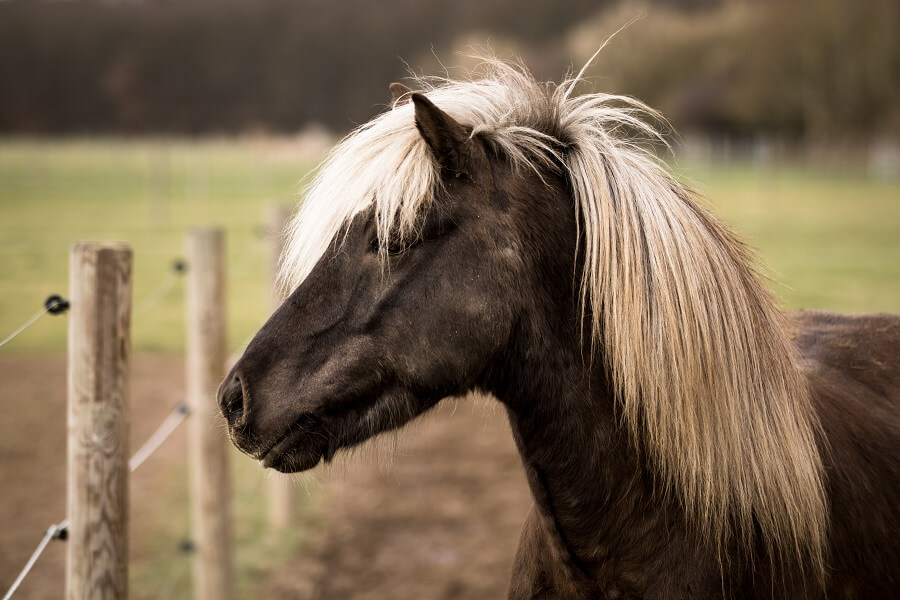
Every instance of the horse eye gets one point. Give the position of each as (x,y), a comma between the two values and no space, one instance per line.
(394,247)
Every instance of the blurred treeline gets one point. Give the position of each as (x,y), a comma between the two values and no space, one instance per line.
(800,68)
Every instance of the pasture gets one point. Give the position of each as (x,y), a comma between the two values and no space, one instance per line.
(147,194)
(829,239)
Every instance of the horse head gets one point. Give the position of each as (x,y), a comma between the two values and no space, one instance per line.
(391,319)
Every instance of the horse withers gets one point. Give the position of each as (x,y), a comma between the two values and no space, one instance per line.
(681,435)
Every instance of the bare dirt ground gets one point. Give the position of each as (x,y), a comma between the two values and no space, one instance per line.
(440,521)
(33,459)
(436,516)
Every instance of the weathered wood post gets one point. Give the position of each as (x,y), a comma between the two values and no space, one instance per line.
(210,489)
(281,489)
(98,420)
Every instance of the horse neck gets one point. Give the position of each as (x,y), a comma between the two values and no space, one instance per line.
(559,400)
(593,491)
(573,452)
(577,460)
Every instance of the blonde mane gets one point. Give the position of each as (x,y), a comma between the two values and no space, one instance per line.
(696,348)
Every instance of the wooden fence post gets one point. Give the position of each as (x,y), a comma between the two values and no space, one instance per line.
(98,420)
(281,488)
(210,489)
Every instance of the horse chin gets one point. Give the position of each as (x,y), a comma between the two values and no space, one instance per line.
(296,454)
(313,438)
(294,460)
(308,441)
(300,448)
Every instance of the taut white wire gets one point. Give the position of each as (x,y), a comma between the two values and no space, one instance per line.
(162,433)
(52,532)
(27,324)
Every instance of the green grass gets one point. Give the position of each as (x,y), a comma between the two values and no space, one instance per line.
(829,239)
(147,194)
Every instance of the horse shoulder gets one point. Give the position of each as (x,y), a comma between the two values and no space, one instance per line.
(852,363)
(853,366)
(862,348)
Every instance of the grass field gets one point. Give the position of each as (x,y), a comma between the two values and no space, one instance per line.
(831,239)
(147,194)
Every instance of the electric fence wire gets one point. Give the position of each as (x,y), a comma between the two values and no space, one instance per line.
(60,530)
(54,305)
(162,290)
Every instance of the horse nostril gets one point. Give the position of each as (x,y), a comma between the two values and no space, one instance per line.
(231,400)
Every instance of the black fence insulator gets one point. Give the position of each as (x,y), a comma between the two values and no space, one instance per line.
(179,266)
(56,304)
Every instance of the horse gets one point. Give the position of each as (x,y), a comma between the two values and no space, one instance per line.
(682,435)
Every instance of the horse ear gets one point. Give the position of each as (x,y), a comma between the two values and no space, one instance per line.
(399,94)
(445,137)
